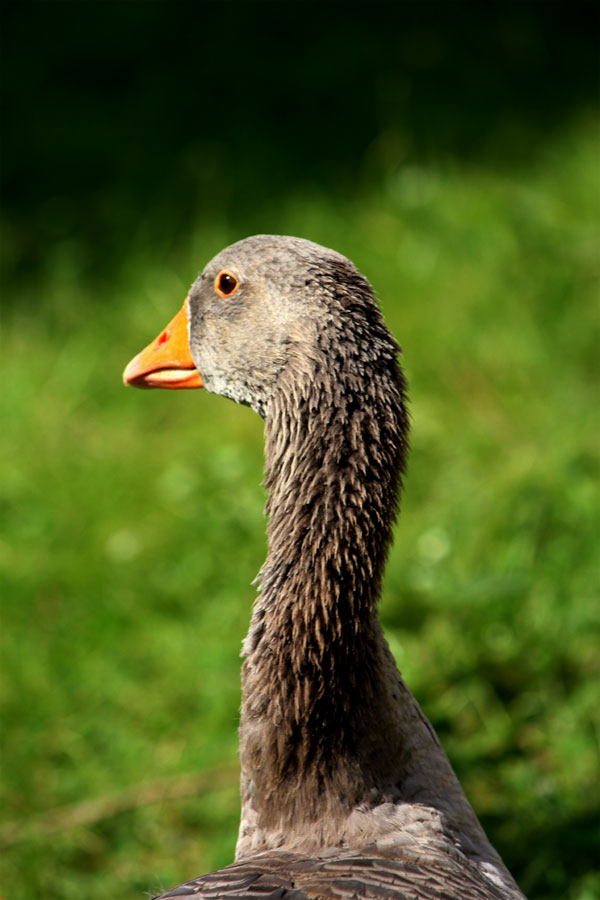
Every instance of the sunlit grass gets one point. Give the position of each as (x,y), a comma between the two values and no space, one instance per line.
(133,528)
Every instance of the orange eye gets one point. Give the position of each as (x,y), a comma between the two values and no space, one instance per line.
(226,284)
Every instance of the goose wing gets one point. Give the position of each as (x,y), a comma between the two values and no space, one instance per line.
(286,876)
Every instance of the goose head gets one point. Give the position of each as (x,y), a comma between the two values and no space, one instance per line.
(266,312)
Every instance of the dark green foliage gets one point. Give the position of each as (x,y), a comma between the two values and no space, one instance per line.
(131,522)
(133,529)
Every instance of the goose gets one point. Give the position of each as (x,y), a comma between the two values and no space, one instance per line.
(346,791)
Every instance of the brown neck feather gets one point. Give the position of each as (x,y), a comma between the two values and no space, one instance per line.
(334,455)
(328,729)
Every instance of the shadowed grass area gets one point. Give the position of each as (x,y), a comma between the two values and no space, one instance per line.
(133,528)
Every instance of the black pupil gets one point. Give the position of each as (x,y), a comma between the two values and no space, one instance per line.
(227,283)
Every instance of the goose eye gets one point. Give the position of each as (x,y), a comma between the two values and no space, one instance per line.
(225,284)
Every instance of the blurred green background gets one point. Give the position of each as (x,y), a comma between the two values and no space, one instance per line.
(451,151)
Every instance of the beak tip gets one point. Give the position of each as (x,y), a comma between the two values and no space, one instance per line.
(129,373)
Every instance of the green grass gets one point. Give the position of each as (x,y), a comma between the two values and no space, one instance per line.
(133,528)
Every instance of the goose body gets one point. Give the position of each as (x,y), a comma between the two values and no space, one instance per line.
(346,790)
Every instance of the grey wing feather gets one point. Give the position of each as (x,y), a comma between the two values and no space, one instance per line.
(240,881)
(287,876)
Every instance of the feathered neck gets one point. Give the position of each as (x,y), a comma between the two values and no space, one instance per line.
(332,472)
(329,733)
(335,445)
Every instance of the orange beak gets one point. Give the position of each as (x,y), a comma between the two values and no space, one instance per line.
(166,362)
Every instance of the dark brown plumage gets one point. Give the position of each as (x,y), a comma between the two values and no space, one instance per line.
(346,791)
